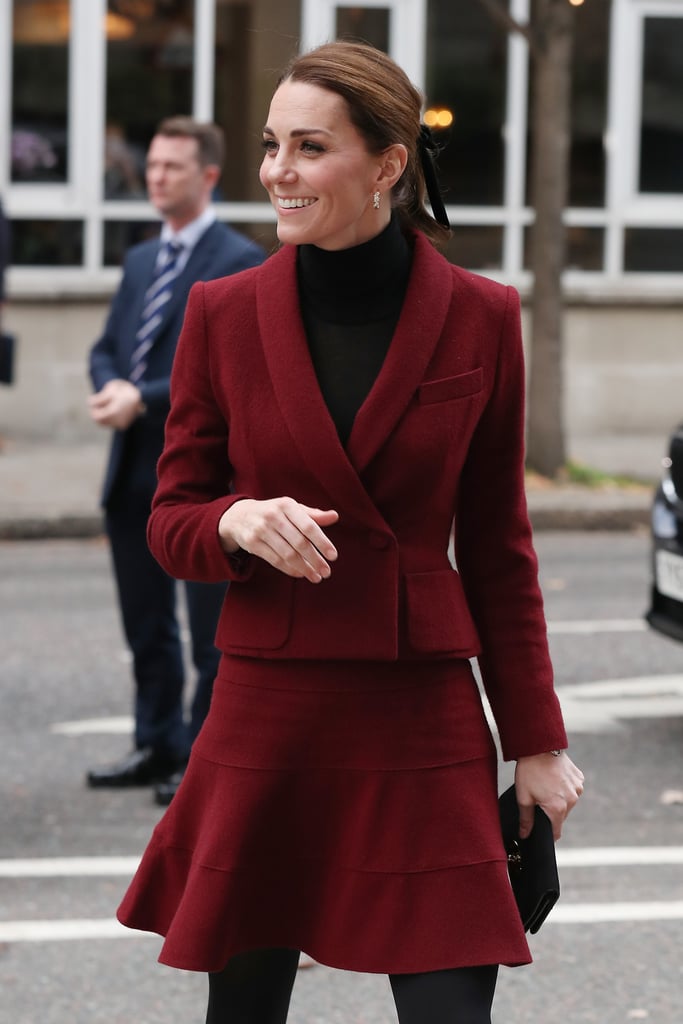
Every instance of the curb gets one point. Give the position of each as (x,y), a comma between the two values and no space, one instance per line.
(605,514)
(67,527)
(623,518)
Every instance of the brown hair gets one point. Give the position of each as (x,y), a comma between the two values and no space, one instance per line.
(208,136)
(384,106)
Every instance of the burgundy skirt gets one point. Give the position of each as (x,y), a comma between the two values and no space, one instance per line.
(348,810)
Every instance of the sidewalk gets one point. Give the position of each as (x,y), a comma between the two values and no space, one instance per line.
(50,490)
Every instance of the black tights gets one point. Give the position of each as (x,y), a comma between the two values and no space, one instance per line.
(255,988)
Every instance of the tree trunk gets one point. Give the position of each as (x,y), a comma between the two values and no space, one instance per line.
(553,32)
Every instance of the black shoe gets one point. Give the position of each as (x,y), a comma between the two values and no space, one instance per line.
(139,768)
(166,790)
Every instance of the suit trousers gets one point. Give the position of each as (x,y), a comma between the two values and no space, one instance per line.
(148,606)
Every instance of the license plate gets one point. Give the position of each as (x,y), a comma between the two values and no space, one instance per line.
(669,573)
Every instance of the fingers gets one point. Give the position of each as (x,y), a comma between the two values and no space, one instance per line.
(554,783)
(563,803)
(526,821)
(284,533)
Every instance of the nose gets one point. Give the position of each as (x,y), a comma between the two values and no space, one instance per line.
(279,167)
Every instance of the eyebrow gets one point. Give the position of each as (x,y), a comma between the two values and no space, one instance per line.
(297,132)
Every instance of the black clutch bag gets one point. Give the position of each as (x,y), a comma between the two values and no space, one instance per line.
(7,346)
(532,864)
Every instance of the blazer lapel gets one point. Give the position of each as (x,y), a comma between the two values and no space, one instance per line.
(295,383)
(417,333)
(296,386)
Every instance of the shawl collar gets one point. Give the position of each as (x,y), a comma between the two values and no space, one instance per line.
(295,383)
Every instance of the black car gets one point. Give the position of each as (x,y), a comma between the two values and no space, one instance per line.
(666,602)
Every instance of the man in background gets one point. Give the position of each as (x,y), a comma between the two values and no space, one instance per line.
(130,367)
(4,254)
(6,340)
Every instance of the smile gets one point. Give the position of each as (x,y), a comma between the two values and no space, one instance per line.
(291,204)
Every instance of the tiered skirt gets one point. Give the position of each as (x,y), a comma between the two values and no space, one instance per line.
(348,810)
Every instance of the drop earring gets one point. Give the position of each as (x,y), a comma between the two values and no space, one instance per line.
(376,198)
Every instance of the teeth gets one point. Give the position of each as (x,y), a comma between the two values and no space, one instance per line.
(290,204)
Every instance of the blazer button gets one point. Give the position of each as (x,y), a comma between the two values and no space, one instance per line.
(379,541)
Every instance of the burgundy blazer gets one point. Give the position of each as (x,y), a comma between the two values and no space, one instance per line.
(438,441)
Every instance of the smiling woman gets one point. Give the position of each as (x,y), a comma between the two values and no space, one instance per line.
(319,172)
(338,414)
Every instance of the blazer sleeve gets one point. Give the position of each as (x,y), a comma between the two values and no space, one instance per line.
(497,562)
(105,355)
(194,471)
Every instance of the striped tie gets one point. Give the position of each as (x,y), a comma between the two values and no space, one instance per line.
(156,297)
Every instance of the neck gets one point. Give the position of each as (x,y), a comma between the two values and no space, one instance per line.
(177,221)
(356,284)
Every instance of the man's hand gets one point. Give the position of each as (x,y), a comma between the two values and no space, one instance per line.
(117,405)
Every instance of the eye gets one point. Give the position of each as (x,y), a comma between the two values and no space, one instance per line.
(270,145)
(312,148)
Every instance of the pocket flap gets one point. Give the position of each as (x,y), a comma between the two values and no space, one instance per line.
(451,387)
(439,621)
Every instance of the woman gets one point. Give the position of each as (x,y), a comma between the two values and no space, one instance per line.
(334,413)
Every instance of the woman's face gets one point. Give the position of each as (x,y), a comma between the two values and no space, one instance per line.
(318,172)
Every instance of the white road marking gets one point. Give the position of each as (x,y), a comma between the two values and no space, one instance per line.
(598,626)
(60,931)
(109,928)
(67,867)
(602,913)
(618,856)
(111,867)
(85,726)
(599,706)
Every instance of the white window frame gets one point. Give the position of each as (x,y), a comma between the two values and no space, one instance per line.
(629,18)
(81,197)
(407,24)
(626,206)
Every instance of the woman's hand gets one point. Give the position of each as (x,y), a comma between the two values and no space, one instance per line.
(554,783)
(284,533)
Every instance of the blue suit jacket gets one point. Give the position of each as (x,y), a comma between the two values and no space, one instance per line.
(220,251)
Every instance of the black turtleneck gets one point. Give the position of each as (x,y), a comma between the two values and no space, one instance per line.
(351,300)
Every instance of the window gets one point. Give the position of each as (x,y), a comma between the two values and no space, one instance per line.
(651,250)
(253,41)
(661,117)
(368,23)
(589,104)
(87,82)
(466,73)
(39,99)
(47,243)
(150,58)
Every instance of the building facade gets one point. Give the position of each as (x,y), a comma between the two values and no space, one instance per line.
(84,82)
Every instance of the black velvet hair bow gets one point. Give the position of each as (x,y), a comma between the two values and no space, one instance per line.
(429,149)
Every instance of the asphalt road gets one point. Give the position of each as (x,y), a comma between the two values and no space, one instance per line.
(611,951)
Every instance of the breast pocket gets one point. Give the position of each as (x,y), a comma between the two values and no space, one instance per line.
(449,388)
